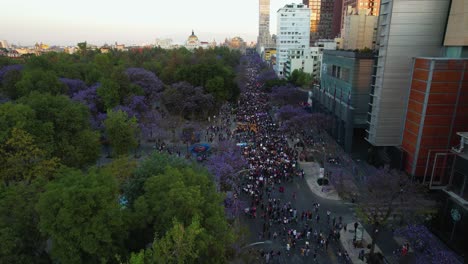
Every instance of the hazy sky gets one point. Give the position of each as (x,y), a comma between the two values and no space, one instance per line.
(56,22)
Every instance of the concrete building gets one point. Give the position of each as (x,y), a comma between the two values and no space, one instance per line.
(359,29)
(163,43)
(457,26)
(264,38)
(293,31)
(325,19)
(306,60)
(236,43)
(407,29)
(373,5)
(343,92)
(309,60)
(269,53)
(4,44)
(437,109)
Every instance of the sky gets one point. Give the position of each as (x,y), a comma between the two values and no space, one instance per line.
(138,22)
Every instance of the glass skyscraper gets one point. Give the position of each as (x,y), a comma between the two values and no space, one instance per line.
(264,37)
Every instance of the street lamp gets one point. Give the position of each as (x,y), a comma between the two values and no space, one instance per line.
(269,242)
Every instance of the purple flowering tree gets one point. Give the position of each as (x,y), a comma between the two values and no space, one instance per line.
(288,94)
(152,86)
(74,85)
(265,76)
(390,193)
(226,164)
(185,100)
(4,70)
(90,98)
(151,127)
(427,248)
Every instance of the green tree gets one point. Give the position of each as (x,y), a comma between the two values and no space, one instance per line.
(121,131)
(8,85)
(177,246)
(121,168)
(103,64)
(80,213)
(216,87)
(109,92)
(22,161)
(83,46)
(116,89)
(20,237)
(41,81)
(61,127)
(14,115)
(300,78)
(182,191)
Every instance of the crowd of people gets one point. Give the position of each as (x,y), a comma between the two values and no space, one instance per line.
(273,164)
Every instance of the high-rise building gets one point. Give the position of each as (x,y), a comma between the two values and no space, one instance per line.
(457,25)
(293,32)
(264,38)
(325,19)
(4,44)
(372,5)
(407,29)
(437,110)
(359,29)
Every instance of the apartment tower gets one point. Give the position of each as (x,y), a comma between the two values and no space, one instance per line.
(293,32)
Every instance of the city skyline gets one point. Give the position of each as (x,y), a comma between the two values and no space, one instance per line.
(141,22)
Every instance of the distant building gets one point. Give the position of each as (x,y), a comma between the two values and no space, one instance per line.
(105,48)
(70,50)
(325,19)
(4,44)
(269,53)
(264,39)
(192,42)
(119,47)
(305,60)
(163,43)
(293,31)
(359,29)
(236,43)
(372,5)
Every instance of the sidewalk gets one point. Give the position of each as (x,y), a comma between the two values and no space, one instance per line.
(312,171)
(347,237)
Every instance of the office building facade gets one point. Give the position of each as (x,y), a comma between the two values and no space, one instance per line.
(437,110)
(372,5)
(293,32)
(360,30)
(264,38)
(343,92)
(325,19)
(407,29)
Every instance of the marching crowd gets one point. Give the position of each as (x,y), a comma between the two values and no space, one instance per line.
(273,164)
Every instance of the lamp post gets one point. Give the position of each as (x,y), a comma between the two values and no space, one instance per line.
(356,224)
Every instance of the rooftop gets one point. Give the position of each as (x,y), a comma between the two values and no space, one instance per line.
(350,54)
